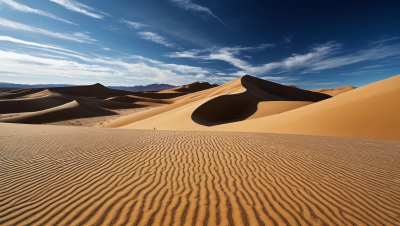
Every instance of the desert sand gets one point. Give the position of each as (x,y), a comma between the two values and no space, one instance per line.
(248,152)
(89,176)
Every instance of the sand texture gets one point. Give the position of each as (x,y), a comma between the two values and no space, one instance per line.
(53,175)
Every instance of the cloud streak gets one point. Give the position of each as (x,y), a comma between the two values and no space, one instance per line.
(77,37)
(153,37)
(19,41)
(319,58)
(23,8)
(76,6)
(137,69)
(135,25)
(188,5)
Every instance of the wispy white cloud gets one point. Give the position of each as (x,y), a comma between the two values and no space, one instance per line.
(371,54)
(319,58)
(19,41)
(135,25)
(188,5)
(138,69)
(77,37)
(363,72)
(385,40)
(76,6)
(289,38)
(153,37)
(24,8)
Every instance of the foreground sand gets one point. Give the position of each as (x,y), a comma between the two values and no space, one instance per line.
(53,175)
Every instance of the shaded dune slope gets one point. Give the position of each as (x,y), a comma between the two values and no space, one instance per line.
(18,93)
(132,177)
(71,110)
(191,88)
(32,104)
(139,100)
(237,107)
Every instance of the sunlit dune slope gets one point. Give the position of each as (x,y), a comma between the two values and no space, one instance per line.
(137,177)
(240,99)
(371,111)
(71,110)
(334,92)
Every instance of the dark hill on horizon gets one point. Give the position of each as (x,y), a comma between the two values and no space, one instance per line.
(151,87)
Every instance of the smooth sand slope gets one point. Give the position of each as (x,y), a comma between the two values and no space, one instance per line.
(51,175)
(371,112)
(335,92)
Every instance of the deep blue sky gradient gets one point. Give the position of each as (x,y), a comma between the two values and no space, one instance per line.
(363,34)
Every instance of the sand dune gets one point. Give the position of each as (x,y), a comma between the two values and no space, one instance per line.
(239,99)
(18,93)
(191,88)
(140,100)
(71,110)
(131,177)
(334,92)
(32,104)
(366,112)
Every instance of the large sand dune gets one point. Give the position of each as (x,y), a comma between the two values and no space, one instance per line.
(367,112)
(232,101)
(54,175)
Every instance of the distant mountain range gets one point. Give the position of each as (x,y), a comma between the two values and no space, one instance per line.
(151,87)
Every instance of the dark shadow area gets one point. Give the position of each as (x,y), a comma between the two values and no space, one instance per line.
(226,109)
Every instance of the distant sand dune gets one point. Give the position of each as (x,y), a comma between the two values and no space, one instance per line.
(71,110)
(32,104)
(335,92)
(17,93)
(87,176)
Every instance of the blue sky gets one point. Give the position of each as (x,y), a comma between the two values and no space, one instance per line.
(311,44)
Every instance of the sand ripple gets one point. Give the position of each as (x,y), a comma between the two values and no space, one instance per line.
(86,176)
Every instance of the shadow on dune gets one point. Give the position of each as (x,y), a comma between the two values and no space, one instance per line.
(237,107)
(72,110)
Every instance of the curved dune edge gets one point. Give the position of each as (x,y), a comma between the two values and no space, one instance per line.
(115,177)
(250,104)
(366,112)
